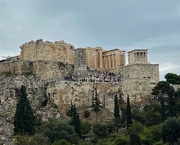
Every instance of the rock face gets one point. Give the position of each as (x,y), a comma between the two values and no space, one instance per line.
(48,98)
(36,90)
(39,69)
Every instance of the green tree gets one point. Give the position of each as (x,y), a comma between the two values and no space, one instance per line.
(172,107)
(121,140)
(152,115)
(102,130)
(85,127)
(97,105)
(77,124)
(128,113)
(171,130)
(116,108)
(171,78)
(36,139)
(134,130)
(56,131)
(73,113)
(135,139)
(24,121)
(163,114)
(162,88)
(61,142)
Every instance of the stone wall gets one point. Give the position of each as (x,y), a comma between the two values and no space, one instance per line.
(39,69)
(142,71)
(47,51)
(43,107)
(138,80)
(50,99)
(81,93)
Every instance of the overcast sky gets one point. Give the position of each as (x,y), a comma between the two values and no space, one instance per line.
(123,24)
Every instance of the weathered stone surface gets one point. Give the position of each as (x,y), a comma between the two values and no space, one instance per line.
(47,51)
(39,69)
(36,90)
(49,98)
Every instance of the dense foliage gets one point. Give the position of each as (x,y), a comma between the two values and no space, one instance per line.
(157,123)
(172,78)
(24,121)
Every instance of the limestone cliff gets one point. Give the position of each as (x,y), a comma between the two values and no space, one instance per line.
(49,98)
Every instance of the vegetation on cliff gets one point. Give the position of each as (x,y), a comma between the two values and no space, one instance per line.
(24,121)
(157,123)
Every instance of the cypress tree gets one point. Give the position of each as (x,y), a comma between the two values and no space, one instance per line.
(77,124)
(128,113)
(73,113)
(116,107)
(97,105)
(24,121)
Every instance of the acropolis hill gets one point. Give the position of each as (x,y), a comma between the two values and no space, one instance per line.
(57,73)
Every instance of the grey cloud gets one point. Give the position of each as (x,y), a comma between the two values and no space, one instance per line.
(111,24)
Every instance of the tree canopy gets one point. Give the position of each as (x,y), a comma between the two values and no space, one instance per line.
(172,78)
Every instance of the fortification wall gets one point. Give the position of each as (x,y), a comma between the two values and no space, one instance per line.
(81,94)
(139,90)
(41,69)
(142,71)
(47,51)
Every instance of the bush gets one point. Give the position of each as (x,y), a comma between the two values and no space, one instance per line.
(55,131)
(61,142)
(37,139)
(121,140)
(102,130)
(85,127)
(86,114)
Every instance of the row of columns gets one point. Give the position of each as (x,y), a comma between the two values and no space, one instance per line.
(140,56)
(109,61)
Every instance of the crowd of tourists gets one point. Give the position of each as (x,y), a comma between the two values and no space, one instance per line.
(95,75)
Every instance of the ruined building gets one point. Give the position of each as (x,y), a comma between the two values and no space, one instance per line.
(99,59)
(58,51)
(49,60)
(139,76)
(43,66)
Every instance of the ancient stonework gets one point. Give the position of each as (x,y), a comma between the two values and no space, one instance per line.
(49,99)
(39,69)
(139,76)
(58,51)
(50,71)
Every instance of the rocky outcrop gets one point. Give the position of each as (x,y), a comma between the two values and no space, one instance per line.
(49,98)
(36,90)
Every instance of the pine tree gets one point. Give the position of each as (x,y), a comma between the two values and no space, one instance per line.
(24,121)
(116,107)
(128,113)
